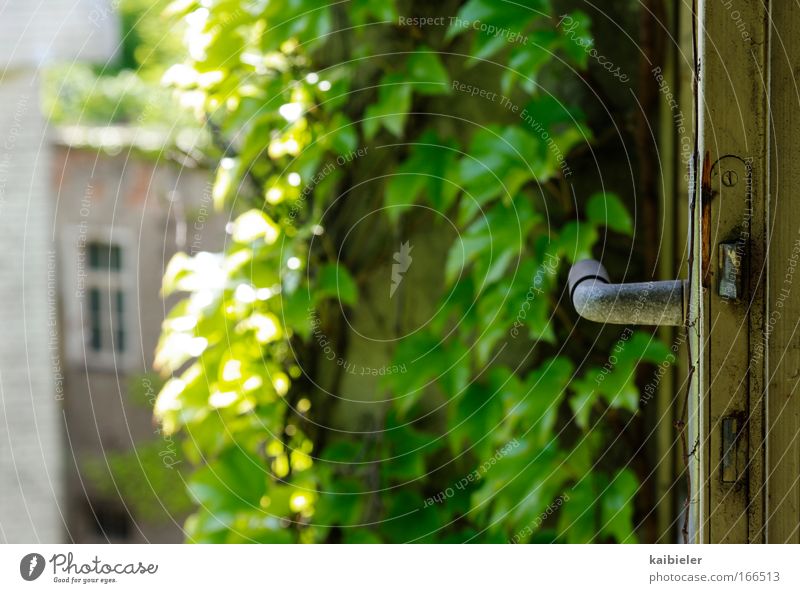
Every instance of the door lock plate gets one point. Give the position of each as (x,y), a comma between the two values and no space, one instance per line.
(730,271)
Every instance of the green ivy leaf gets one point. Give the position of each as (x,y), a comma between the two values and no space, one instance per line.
(424,357)
(577,521)
(576,37)
(617,508)
(576,240)
(498,236)
(408,520)
(334,281)
(364,11)
(293,20)
(500,162)
(338,505)
(402,191)
(391,109)
(607,209)
(344,137)
(527,60)
(427,74)
(583,398)
(234,477)
(505,16)
(430,167)
(476,414)
(546,388)
(641,347)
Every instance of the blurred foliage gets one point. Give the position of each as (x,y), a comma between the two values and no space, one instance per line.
(76,95)
(274,82)
(149,482)
(150,38)
(127,90)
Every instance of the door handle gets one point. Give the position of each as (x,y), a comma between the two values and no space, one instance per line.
(595,298)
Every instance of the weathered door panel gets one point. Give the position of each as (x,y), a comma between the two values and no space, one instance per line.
(728,273)
(783,302)
(744,312)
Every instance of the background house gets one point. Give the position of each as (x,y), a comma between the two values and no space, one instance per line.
(89,217)
(120,212)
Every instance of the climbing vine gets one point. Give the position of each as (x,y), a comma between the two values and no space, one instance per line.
(487,422)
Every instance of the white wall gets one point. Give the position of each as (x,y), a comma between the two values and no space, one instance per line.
(35,32)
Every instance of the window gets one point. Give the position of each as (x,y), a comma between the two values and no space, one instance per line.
(105,299)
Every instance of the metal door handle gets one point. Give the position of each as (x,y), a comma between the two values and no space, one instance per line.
(637,303)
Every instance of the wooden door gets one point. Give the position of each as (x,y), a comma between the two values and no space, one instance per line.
(744,407)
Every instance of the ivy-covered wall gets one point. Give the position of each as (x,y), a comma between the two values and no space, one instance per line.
(386,351)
